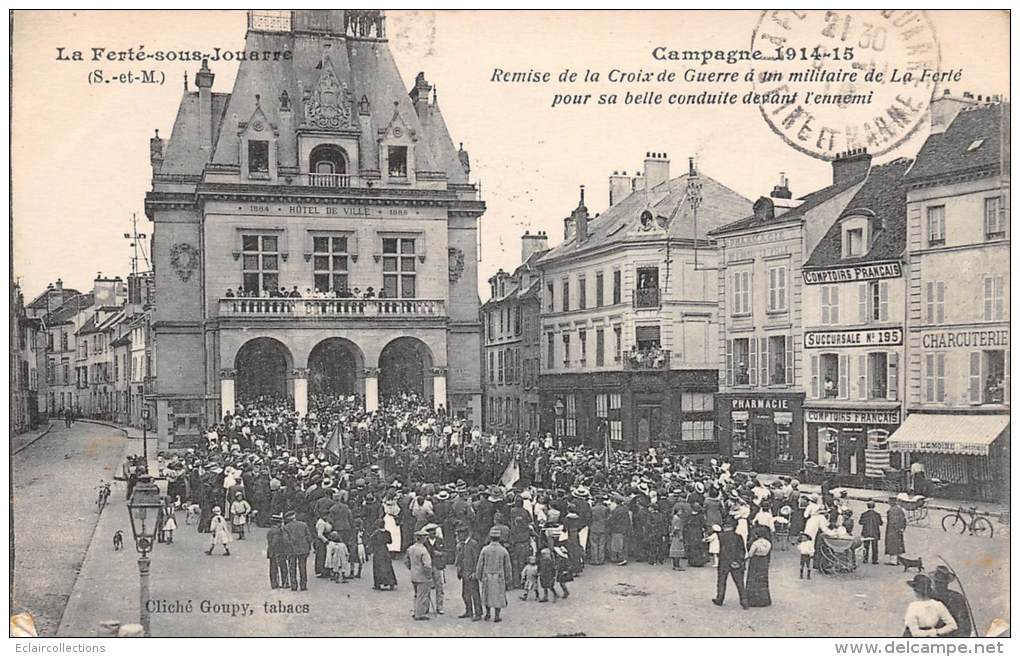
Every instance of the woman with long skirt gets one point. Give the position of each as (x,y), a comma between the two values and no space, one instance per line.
(759,555)
(382,563)
(694,537)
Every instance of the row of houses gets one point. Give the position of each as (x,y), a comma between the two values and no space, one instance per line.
(84,353)
(860,327)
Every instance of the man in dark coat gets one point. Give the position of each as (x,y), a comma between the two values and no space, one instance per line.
(276,552)
(437,550)
(619,529)
(871,532)
(955,602)
(732,555)
(342,519)
(299,544)
(519,539)
(895,526)
(466,560)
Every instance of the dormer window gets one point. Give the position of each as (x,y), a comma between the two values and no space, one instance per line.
(855,242)
(397,160)
(258,157)
(328,159)
(858,233)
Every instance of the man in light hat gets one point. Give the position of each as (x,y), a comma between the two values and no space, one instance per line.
(437,550)
(419,562)
(493,572)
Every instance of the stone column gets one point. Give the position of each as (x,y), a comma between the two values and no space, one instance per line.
(300,391)
(226,392)
(439,388)
(371,389)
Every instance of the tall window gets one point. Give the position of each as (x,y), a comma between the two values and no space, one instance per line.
(742,293)
(600,347)
(600,284)
(329,259)
(258,157)
(830,376)
(936,225)
(740,361)
(549,296)
(995,222)
(994,298)
(582,292)
(566,350)
(551,350)
(397,161)
(607,410)
(935,302)
(989,377)
(260,263)
(518,320)
(877,375)
(617,286)
(830,304)
(873,301)
(582,341)
(617,343)
(777,288)
(566,294)
(63,341)
(935,377)
(399,279)
(854,243)
(646,295)
(780,359)
(571,426)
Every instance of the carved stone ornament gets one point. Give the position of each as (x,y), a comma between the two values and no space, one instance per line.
(328,103)
(184,260)
(456,263)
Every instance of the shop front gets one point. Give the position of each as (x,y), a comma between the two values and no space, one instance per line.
(968,453)
(761,431)
(850,446)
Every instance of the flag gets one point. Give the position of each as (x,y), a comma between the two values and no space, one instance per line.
(511,474)
(335,444)
(605,443)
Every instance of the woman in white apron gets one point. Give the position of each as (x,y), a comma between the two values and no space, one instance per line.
(390,512)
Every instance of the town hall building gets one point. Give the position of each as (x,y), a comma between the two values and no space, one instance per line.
(315,232)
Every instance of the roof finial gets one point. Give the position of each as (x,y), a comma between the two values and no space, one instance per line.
(185,80)
(258,100)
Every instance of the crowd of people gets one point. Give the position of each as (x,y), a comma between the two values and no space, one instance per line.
(346,487)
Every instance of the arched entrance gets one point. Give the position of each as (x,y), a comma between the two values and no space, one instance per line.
(334,368)
(404,366)
(262,365)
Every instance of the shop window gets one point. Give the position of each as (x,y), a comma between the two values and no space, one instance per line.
(988,377)
(935,302)
(397,161)
(741,447)
(873,301)
(828,449)
(935,377)
(783,450)
(740,355)
(607,410)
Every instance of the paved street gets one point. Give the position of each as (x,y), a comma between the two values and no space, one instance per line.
(606,601)
(55,483)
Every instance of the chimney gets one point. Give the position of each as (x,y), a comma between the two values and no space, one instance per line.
(204,81)
(156,153)
(532,244)
(580,219)
(782,190)
(945,108)
(55,295)
(656,169)
(764,210)
(849,165)
(620,186)
(638,183)
(420,94)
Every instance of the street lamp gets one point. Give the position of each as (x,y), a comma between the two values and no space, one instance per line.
(145,509)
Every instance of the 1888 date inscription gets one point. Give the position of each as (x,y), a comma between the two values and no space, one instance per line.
(844,80)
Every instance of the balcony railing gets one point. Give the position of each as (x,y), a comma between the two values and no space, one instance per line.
(330,308)
(646,359)
(648,297)
(331,180)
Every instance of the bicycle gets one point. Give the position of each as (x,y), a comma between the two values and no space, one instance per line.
(104,495)
(976,526)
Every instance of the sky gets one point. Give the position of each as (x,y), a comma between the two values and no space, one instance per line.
(80,152)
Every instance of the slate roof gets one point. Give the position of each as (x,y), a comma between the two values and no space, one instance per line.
(808,202)
(41,300)
(367,68)
(69,309)
(619,223)
(884,195)
(949,152)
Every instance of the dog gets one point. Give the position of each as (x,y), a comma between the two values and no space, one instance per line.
(118,540)
(910,563)
(194,512)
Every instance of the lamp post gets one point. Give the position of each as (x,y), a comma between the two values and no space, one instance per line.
(145,510)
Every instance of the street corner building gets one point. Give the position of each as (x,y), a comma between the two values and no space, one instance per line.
(315,230)
(629,314)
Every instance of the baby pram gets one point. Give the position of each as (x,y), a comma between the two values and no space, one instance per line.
(836,555)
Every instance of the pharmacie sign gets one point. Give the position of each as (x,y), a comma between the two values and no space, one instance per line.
(869,272)
(887,337)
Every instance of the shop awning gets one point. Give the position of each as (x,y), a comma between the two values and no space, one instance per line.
(948,433)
